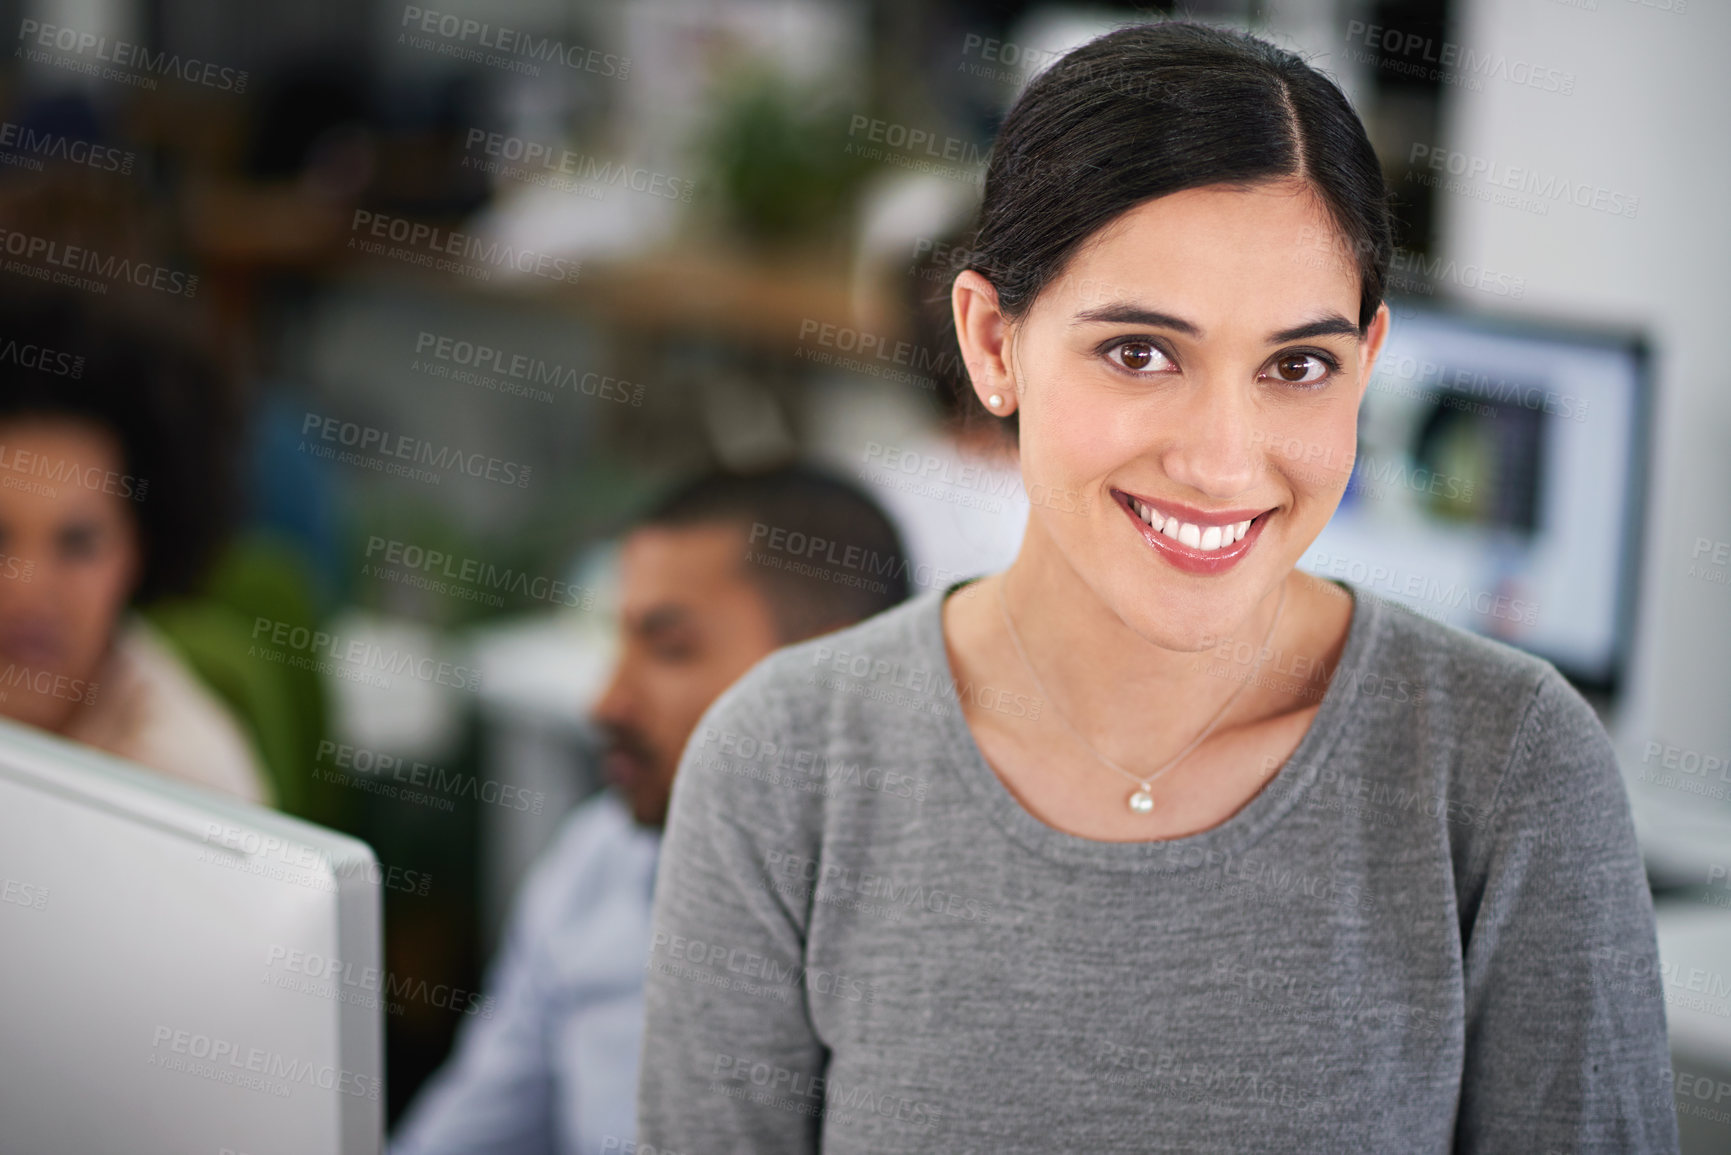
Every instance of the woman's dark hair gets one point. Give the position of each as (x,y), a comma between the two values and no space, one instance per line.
(1158,108)
(161,396)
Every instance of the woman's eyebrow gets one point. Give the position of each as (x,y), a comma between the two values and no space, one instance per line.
(1125,314)
(1333,325)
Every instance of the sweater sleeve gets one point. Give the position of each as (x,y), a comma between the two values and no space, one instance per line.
(1566,1044)
(727,1067)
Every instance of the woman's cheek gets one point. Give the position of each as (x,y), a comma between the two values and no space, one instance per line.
(1069,440)
(97,593)
(1314,452)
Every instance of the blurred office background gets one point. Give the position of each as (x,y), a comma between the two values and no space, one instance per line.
(603,244)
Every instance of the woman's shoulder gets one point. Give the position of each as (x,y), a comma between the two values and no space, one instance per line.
(1491,705)
(853,706)
(1438,663)
(178,726)
(813,683)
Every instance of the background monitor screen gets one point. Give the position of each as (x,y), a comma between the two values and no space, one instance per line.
(1497,484)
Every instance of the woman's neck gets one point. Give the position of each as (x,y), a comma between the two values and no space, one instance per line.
(1134,698)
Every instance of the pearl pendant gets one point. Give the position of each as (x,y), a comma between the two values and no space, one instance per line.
(1142,801)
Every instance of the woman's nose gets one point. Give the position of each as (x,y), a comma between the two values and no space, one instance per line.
(1212,450)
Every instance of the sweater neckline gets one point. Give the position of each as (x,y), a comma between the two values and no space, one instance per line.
(1167,855)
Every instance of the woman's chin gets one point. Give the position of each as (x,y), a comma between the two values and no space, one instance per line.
(1187,617)
(40,710)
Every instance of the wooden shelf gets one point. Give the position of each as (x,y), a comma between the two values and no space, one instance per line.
(748,298)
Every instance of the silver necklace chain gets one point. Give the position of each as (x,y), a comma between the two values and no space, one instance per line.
(1142,801)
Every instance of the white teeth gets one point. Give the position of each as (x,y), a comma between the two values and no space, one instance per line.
(1147,513)
(1205,538)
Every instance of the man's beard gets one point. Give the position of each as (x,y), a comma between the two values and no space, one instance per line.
(630,765)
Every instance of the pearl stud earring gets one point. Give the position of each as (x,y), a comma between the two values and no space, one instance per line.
(994,401)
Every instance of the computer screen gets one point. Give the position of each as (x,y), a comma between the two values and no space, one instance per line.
(149,931)
(1498,483)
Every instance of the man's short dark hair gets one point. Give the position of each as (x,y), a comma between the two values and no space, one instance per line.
(822,553)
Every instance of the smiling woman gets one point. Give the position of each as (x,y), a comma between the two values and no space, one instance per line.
(1161,374)
(1298,871)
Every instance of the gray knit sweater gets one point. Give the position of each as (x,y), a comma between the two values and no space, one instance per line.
(1429,932)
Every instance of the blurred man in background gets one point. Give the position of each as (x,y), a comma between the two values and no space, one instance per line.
(718,575)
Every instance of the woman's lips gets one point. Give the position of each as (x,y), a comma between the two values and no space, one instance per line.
(33,645)
(1180,540)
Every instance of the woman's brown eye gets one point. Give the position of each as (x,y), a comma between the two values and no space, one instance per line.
(1137,354)
(1293,368)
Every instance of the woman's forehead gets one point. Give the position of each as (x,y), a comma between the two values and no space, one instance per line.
(1211,255)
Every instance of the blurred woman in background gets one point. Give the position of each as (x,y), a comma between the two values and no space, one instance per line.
(115,490)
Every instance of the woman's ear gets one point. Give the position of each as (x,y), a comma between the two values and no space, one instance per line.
(983,333)
(1370,347)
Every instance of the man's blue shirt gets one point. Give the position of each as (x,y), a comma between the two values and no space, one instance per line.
(552,1070)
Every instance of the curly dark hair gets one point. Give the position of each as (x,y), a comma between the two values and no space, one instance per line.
(161,394)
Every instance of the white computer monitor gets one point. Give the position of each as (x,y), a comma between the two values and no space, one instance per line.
(147,1004)
(1498,483)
